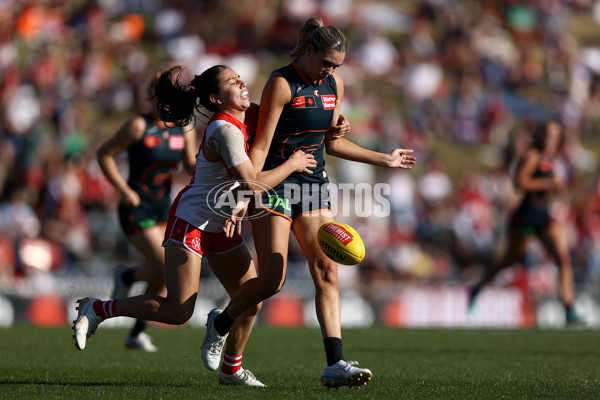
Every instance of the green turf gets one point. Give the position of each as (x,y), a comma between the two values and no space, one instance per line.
(38,363)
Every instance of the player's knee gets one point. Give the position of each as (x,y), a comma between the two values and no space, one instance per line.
(325,273)
(271,284)
(155,287)
(272,288)
(253,311)
(156,276)
(181,315)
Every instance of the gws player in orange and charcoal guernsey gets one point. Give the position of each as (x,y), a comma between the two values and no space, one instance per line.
(194,229)
(154,152)
(299,104)
(537,178)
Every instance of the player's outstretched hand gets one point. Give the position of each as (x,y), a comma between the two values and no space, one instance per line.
(401,158)
(303,161)
(340,129)
(233,224)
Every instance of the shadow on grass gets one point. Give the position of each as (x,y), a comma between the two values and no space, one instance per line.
(482,351)
(98,384)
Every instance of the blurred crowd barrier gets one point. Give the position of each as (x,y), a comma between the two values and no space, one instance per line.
(396,305)
(460,82)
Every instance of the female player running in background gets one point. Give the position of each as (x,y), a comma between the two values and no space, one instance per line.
(194,230)
(537,178)
(154,152)
(299,104)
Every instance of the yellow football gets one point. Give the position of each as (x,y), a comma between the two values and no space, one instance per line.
(341,243)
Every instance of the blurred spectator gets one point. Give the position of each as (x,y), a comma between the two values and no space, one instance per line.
(18,219)
(473,223)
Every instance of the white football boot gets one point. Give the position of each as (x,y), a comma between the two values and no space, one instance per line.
(86,323)
(120,288)
(344,373)
(141,342)
(212,346)
(242,377)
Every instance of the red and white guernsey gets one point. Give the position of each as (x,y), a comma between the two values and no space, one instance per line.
(199,202)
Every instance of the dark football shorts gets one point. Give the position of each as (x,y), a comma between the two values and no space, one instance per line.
(530,220)
(146,215)
(293,198)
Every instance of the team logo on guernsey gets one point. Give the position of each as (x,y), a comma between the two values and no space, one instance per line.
(545,165)
(304,102)
(152,141)
(328,101)
(176,142)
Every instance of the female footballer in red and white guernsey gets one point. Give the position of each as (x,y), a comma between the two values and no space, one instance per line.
(299,105)
(194,230)
(154,151)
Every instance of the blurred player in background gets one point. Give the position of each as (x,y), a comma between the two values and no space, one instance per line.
(300,104)
(537,175)
(194,228)
(154,152)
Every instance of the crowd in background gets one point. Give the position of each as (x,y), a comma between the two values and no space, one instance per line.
(462,83)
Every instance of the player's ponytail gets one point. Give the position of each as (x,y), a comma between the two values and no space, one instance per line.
(176,102)
(319,36)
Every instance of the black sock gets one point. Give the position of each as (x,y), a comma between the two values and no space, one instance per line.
(568,309)
(223,322)
(333,350)
(474,291)
(128,276)
(139,327)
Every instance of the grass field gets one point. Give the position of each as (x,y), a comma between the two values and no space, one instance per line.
(38,363)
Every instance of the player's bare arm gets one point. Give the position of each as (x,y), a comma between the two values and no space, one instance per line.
(274,97)
(131,132)
(525,179)
(189,153)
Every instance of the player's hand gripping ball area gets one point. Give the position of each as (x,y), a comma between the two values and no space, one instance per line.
(341,243)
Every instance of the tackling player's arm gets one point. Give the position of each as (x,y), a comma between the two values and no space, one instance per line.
(343,148)
(228,142)
(130,133)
